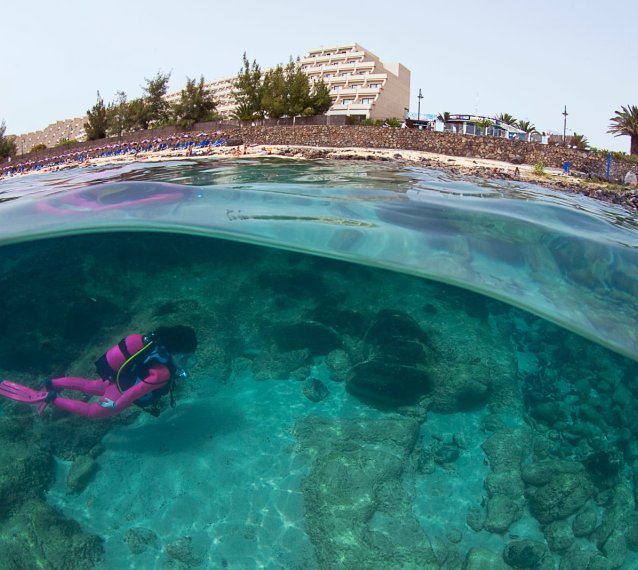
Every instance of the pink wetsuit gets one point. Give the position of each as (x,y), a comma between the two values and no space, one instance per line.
(158,376)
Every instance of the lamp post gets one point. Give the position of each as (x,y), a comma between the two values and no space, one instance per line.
(565,126)
(419,97)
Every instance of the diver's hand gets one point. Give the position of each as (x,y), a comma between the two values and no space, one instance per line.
(106,402)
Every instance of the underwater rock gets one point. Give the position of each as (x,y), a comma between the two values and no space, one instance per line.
(361,517)
(524,554)
(475,519)
(338,363)
(631,532)
(44,538)
(387,384)
(584,523)
(25,472)
(471,366)
(398,338)
(505,448)
(445,453)
(480,558)
(344,321)
(507,483)
(559,536)
(80,474)
(316,337)
(279,365)
(548,412)
(501,513)
(139,539)
(182,551)
(604,466)
(315,390)
(615,547)
(563,495)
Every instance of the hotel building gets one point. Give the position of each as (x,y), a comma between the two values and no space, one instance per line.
(360,84)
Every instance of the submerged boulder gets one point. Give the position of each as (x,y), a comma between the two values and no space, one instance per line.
(315,390)
(388,384)
(316,337)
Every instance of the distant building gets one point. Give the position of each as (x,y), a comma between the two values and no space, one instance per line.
(51,135)
(360,84)
(467,125)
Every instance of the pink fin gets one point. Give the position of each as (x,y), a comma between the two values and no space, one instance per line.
(20,393)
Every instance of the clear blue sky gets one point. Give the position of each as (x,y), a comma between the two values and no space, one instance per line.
(528,59)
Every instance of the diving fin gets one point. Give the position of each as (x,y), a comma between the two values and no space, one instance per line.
(20,393)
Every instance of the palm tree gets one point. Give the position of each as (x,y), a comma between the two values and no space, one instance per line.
(526,126)
(579,141)
(244,112)
(507,119)
(445,117)
(625,123)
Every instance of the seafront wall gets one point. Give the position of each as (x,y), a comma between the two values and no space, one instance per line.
(343,136)
(442,143)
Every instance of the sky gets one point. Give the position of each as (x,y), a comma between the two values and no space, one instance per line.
(526,58)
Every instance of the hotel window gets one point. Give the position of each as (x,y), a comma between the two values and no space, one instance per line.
(345,75)
(366,101)
(337,88)
(327,75)
(374,85)
(347,101)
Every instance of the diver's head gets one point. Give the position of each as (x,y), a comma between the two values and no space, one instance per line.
(179,339)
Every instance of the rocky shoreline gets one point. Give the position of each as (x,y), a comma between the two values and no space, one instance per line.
(468,166)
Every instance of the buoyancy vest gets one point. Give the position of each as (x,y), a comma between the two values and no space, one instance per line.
(128,363)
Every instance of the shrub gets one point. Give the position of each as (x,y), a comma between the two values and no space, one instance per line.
(37,147)
(539,168)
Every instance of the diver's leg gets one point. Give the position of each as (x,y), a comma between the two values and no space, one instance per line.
(93,411)
(91,387)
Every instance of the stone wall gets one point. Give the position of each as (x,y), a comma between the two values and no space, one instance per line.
(443,143)
(388,138)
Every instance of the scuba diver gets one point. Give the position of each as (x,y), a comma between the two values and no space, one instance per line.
(137,370)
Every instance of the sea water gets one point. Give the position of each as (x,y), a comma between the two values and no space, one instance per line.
(396,368)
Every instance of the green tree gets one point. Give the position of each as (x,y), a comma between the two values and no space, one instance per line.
(507,119)
(117,114)
(248,89)
(37,147)
(7,143)
(320,97)
(298,87)
(96,120)
(137,115)
(526,126)
(244,112)
(625,123)
(274,100)
(445,117)
(157,112)
(195,104)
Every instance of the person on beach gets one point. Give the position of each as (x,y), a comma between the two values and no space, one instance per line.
(139,370)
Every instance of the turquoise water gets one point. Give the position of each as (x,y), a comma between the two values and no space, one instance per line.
(397,368)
